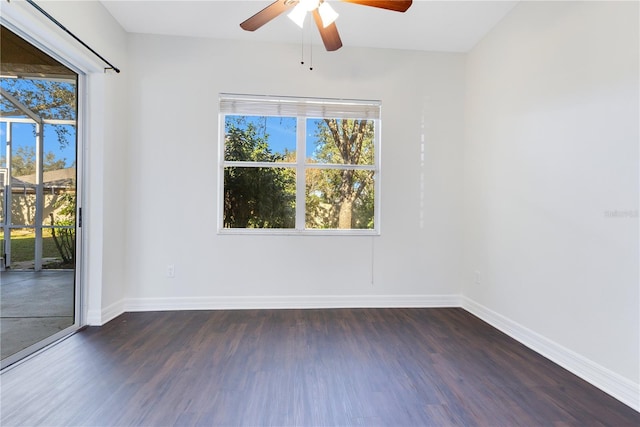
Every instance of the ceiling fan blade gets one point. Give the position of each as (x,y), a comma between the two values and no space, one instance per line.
(329,34)
(267,14)
(396,5)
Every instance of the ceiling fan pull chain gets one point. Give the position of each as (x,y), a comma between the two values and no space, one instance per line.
(310,39)
(302,46)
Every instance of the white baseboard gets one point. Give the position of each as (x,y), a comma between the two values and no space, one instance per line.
(606,380)
(94,318)
(100,317)
(290,302)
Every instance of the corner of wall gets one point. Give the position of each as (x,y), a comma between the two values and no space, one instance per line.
(105,315)
(606,380)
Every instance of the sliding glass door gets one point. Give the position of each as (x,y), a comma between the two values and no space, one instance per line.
(39,207)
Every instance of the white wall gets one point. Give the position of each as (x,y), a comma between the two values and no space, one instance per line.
(551,183)
(173,189)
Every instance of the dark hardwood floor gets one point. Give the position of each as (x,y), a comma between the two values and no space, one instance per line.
(340,367)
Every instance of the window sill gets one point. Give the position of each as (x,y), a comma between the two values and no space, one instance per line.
(293,232)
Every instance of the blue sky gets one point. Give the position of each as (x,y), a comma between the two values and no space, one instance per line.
(282,133)
(23,136)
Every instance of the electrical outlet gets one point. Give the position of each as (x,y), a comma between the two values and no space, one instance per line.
(171,271)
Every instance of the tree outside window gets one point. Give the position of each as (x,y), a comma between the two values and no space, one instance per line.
(300,173)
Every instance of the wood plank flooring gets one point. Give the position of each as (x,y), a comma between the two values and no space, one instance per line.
(340,367)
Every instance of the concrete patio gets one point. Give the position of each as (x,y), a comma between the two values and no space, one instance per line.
(34,306)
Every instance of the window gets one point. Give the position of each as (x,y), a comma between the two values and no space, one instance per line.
(299,165)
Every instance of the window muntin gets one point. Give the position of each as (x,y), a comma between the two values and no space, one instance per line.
(313,172)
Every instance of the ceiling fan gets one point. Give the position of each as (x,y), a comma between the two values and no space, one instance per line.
(323,15)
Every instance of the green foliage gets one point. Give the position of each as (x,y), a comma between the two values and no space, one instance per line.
(344,141)
(255,197)
(23,161)
(47,99)
(23,246)
(65,238)
(264,197)
(341,198)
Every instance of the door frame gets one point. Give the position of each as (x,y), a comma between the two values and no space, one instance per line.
(80,300)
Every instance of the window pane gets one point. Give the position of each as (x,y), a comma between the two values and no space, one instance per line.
(59,176)
(50,99)
(260,139)
(259,197)
(339,199)
(4,177)
(340,141)
(23,174)
(331,144)
(23,249)
(3,145)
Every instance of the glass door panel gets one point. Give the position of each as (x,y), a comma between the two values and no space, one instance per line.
(38,107)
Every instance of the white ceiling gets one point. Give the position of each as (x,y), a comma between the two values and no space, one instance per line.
(448,26)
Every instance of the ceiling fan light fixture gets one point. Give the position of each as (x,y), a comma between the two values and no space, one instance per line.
(298,14)
(309,5)
(327,14)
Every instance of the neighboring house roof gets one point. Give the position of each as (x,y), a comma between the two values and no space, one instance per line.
(17,183)
(60,178)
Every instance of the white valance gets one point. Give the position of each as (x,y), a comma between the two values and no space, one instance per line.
(284,106)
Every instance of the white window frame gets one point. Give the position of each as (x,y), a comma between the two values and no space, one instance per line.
(302,109)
